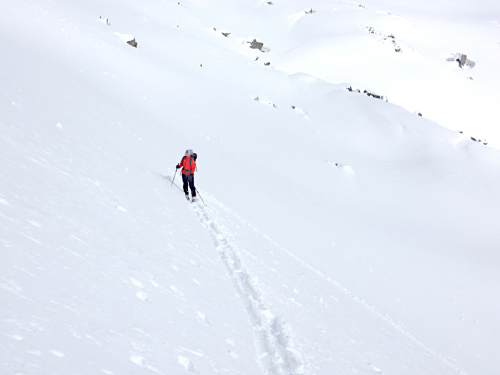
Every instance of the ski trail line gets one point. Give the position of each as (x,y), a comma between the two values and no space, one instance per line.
(276,349)
(450,362)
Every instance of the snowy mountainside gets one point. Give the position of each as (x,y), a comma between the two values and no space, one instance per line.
(341,233)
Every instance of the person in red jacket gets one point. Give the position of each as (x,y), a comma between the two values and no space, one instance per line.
(188,165)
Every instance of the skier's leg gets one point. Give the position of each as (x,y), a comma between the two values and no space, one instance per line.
(185,183)
(191,185)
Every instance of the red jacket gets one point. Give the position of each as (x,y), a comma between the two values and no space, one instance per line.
(188,165)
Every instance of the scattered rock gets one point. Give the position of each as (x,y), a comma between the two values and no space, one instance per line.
(472,79)
(269,3)
(478,140)
(484,142)
(133,43)
(105,20)
(462,60)
(215,29)
(393,41)
(265,100)
(310,11)
(301,112)
(262,62)
(256,45)
(226,34)
(392,38)
(368,93)
(372,94)
(419,114)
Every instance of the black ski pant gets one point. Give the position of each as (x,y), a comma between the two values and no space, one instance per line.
(188,180)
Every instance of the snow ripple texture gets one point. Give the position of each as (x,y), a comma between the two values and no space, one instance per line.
(277,351)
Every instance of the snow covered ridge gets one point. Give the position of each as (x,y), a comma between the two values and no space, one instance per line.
(341,233)
(400,53)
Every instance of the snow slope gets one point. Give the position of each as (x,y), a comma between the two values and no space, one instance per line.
(341,233)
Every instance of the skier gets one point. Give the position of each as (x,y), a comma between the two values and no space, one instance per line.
(188,164)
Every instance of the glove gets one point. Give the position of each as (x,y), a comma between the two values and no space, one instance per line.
(177,166)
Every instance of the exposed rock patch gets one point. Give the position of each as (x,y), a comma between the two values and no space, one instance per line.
(462,61)
(389,38)
(368,93)
(256,45)
(133,43)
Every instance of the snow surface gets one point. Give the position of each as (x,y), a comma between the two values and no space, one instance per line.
(341,233)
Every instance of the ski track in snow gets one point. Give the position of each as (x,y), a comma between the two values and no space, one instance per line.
(270,331)
(277,352)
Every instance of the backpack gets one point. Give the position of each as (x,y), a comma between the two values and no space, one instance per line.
(194,156)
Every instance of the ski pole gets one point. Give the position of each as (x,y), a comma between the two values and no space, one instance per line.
(175,174)
(197,192)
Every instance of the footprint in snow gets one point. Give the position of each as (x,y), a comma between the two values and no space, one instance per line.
(301,112)
(138,360)
(177,291)
(56,353)
(34,223)
(15,337)
(137,283)
(186,362)
(204,318)
(376,369)
(142,295)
